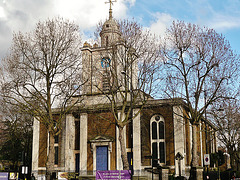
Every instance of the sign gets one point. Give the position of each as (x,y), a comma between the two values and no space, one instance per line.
(3,176)
(13,175)
(63,175)
(113,175)
(206,159)
(179,156)
(24,170)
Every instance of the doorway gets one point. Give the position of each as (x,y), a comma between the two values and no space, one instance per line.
(102,158)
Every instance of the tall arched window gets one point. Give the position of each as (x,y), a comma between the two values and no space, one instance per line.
(158,139)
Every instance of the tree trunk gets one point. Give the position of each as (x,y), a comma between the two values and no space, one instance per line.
(194,163)
(123,149)
(50,157)
(194,146)
(232,160)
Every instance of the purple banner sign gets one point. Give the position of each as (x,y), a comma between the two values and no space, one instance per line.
(3,176)
(113,175)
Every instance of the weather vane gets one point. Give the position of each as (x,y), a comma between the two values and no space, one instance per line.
(110,9)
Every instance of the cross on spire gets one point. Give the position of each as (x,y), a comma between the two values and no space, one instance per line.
(110,9)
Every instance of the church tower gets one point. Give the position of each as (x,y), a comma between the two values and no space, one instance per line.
(98,60)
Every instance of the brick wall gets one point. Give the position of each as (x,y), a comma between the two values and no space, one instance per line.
(167,113)
(43,135)
(101,124)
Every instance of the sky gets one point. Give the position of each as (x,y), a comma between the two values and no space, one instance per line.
(157,15)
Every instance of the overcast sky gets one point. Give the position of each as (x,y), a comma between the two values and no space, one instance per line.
(22,15)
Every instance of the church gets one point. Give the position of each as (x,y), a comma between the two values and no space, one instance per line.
(157,139)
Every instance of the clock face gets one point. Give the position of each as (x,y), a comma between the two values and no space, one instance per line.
(105,62)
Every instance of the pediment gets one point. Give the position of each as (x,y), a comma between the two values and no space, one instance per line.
(101,139)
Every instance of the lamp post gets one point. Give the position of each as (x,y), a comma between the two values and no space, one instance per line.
(179,157)
(219,173)
(205,116)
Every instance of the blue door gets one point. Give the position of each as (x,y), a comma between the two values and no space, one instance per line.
(102,158)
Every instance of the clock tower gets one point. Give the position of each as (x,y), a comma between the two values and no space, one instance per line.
(98,62)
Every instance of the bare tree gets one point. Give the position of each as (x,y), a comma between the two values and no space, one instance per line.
(16,144)
(42,72)
(226,117)
(130,77)
(197,60)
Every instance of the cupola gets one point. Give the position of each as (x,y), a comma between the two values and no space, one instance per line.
(110,30)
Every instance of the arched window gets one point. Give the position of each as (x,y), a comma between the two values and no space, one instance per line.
(158,139)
